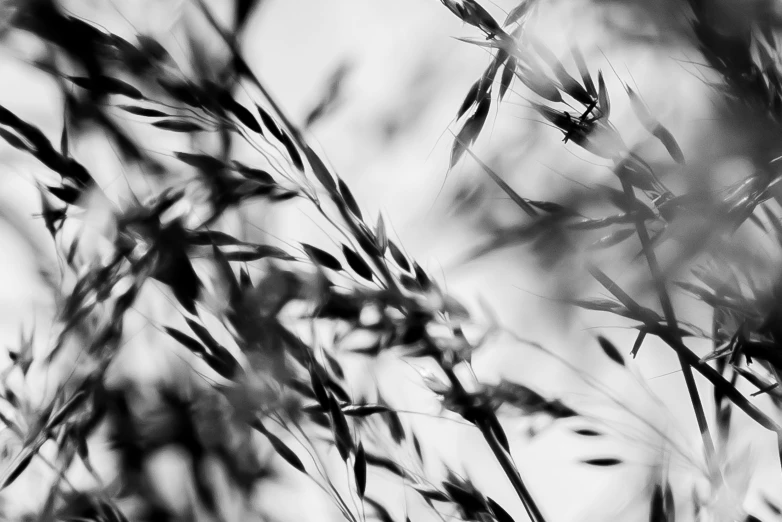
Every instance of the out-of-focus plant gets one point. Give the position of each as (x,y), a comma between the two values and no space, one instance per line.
(264,326)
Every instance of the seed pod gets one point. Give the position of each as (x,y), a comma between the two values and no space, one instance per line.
(357,263)
(603,102)
(321,257)
(360,470)
(610,350)
(178,126)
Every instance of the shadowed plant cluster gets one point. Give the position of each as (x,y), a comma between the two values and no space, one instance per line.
(266,330)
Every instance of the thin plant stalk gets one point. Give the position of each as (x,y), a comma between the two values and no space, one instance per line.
(502,456)
(670,317)
(695,362)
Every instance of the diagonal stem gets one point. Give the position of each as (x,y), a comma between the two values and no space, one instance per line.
(652,327)
(295,135)
(503,457)
(670,317)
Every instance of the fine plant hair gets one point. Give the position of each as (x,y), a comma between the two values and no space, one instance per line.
(263,328)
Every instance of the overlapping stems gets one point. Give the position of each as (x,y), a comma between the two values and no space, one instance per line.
(380,275)
(518,56)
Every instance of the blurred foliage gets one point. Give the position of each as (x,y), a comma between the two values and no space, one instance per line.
(265,332)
